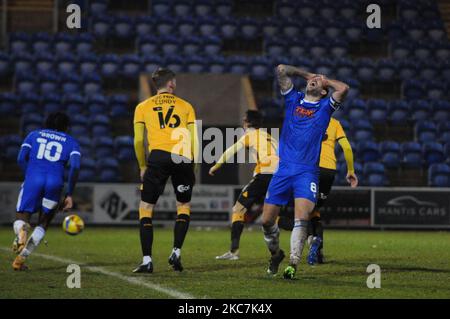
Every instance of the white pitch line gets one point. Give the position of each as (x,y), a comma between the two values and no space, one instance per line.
(132,280)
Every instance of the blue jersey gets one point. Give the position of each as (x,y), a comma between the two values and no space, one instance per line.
(43,157)
(49,151)
(304,126)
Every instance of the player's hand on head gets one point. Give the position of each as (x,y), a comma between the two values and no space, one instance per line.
(352,179)
(68,203)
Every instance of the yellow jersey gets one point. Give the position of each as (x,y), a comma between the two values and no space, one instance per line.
(264,148)
(334,133)
(166,118)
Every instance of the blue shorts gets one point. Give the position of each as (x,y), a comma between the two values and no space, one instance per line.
(293,179)
(40,191)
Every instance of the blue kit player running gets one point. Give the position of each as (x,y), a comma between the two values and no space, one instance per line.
(43,157)
(306,121)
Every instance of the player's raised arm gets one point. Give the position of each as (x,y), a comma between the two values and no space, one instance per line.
(229,153)
(340,89)
(284,72)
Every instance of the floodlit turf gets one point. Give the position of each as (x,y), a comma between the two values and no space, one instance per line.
(413,265)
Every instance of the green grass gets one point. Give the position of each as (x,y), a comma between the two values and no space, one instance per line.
(413,264)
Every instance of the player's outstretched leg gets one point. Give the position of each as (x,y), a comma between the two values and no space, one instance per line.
(272,237)
(179,233)
(21,229)
(303,207)
(146,236)
(34,240)
(237,227)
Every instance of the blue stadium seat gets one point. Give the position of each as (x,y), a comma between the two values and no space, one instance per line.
(119,111)
(391,160)
(162,7)
(428,70)
(70,83)
(192,45)
(249,28)
(433,153)
(368,151)
(195,64)
(400,49)
(357,109)
(333,29)
(439,175)
(411,155)
(8,104)
(23,62)
(101,25)
(407,69)
(182,8)
(203,8)
(73,104)
(217,65)
(187,26)
(151,62)
(92,83)
(285,9)
(386,70)
(104,147)
(344,67)
(52,103)
(123,27)
(420,110)
(131,66)
(260,68)
(98,104)
(66,63)
(19,42)
(42,42)
(84,43)
(44,62)
(212,45)
(374,174)
(238,64)
(274,46)
(354,31)
(110,65)
(29,102)
(365,70)
(425,131)
(312,29)
(413,89)
(170,44)
(108,176)
(443,51)
(339,48)
(398,112)
(207,26)
(98,7)
(271,27)
(378,109)
(63,43)
(88,63)
(124,146)
(325,66)
(25,82)
(228,28)
(318,48)
(291,28)
(348,9)
(224,7)
(436,90)
(423,50)
(144,25)
(175,63)
(148,44)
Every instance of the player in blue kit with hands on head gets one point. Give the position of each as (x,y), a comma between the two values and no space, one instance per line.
(43,157)
(306,121)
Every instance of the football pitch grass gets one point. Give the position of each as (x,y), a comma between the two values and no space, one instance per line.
(413,265)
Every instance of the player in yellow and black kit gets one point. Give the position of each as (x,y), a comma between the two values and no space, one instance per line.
(264,147)
(172,144)
(327,165)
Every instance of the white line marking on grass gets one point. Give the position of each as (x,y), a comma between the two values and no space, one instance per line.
(132,280)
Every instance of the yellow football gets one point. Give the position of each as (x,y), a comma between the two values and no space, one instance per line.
(73,225)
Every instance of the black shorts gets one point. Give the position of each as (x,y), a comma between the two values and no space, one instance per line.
(255,190)
(326,180)
(161,166)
